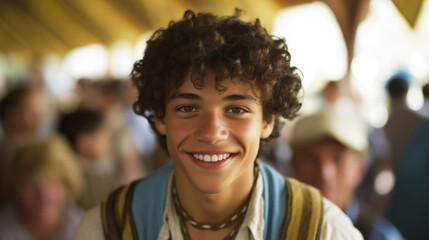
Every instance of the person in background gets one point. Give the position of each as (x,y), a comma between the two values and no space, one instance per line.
(21,111)
(425,108)
(329,153)
(43,179)
(408,208)
(87,93)
(153,157)
(123,151)
(402,121)
(87,134)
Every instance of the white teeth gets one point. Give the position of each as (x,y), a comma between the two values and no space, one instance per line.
(211,158)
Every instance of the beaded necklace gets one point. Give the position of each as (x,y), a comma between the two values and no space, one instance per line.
(235,219)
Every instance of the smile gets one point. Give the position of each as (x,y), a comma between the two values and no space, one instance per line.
(212,157)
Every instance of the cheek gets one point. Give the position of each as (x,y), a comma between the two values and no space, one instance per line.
(59,193)
(177,131)
(352,173)
(28,196)
(247,132)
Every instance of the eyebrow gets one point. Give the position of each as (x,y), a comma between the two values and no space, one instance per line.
(236,97)
(189,96)
(233,97)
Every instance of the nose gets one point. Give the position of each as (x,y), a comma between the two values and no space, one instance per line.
(211,129)
(327,173)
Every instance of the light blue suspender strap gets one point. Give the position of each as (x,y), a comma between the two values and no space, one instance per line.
(149,203)
(274,201)
(150,196)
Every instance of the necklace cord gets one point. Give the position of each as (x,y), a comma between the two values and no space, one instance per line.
(234,219)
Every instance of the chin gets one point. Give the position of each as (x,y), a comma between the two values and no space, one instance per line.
(209,186)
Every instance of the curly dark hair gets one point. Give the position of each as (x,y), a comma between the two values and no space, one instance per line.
(231,48)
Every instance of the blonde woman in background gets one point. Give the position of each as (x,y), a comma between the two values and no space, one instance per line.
(42,179)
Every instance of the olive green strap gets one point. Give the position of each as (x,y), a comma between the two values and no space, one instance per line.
(117,216)
(304,212)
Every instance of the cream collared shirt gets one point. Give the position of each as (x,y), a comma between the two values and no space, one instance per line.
(335,225)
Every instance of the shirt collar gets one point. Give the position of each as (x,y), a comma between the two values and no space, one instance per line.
(251,228)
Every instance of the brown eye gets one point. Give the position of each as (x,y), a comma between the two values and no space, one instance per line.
(186,109)
(236,110)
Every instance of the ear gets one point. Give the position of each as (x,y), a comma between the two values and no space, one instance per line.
(160,125)
(267,127)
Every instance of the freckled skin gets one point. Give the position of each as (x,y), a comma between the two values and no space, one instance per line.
(212,123)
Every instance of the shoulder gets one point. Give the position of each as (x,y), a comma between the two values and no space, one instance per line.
(91,226)
(336,225)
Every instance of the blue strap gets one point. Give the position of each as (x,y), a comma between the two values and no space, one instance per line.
(149,203)
(274,201)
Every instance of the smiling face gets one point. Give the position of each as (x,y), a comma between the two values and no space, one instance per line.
(213,138)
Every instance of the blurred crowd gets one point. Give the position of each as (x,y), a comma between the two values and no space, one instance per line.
(59,160)
(375,175)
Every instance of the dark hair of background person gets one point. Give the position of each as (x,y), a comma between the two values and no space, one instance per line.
(231,48)
(82,120)
(112,88)
(12,100)
(425,90)
(397,87)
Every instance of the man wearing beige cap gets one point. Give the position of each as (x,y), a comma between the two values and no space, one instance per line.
(330,152)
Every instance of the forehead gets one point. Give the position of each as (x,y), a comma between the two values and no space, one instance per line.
(226,86)
(327,145)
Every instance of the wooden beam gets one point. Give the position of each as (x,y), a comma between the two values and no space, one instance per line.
(134,12)
(29,31)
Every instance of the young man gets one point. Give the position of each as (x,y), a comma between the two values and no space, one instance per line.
(329,153)
(212,89)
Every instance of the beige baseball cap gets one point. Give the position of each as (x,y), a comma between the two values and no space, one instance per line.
(348,130)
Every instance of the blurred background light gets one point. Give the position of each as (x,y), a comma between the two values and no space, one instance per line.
(384,182)
(88,62)
(141,46)
(315,41)
(121,60)
(57,78)
(415,97)
(418,65)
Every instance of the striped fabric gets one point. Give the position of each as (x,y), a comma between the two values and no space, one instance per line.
(118,222)
(304,212)
(303,217)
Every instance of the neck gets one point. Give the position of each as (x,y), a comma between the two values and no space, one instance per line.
(213,208)
(398,102)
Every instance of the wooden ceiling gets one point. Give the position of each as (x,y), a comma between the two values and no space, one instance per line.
(40,27)
(57,26)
